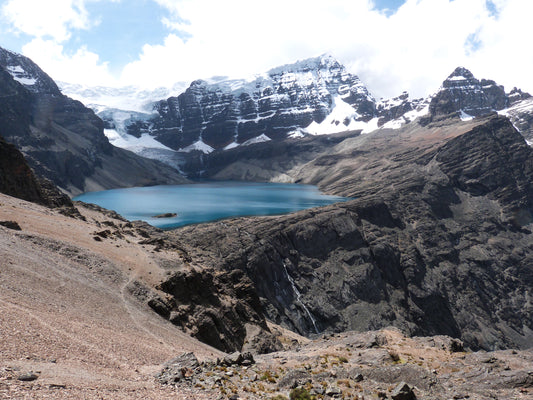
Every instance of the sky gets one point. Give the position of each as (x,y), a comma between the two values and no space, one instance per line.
(392,45)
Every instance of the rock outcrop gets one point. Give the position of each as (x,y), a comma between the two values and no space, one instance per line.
(18,180)
(217,308)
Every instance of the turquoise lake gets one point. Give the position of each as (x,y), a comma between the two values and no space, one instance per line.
(203,202)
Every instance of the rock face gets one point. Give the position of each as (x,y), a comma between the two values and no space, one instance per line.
(16,177)
(461,93)
(18,180)
(223,113)
(437,240)
(62,139)
(217,308)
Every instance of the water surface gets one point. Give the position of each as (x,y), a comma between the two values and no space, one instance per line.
(203,202)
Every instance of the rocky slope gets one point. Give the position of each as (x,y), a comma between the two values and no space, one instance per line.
(76,324)
(436,242)
(382,364)
(62,139)
(72,311)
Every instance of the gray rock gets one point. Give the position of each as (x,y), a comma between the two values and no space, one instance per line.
(403,392)
(11,225)
(333,391)
(294,378)
(28,377)
(180,368)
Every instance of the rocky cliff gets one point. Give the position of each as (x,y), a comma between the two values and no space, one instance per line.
(437,240)
(228,113)
(464,95)
(62,139)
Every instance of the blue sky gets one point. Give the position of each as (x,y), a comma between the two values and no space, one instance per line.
(122,29)
(393,45)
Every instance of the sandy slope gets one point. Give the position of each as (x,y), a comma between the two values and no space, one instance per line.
(65,311)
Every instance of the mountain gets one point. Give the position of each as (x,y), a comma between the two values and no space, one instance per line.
(464,95)
(63,140)
(311,97)
(437,238)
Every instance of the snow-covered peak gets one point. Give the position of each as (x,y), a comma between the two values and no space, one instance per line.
(460,74)
(465,96)
(325,62)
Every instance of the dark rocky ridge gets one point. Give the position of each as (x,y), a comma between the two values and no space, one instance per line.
(63,140)
(438,240)
(462,94)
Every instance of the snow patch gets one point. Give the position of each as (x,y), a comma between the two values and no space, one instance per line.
(259,139)
(20,75)
(465,117)
(232,145)
(25,81)
(199,146)
(15,69)
(340,119)
(457,78)
(297,133)
(133,143)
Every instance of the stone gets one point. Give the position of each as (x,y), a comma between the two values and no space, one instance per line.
(358,378)
(333,391)
(11,225)
(180,368)
(403,391)
(28,377)
(294,378)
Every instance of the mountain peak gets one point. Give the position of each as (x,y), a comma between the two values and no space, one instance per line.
(322,62)
(461,72)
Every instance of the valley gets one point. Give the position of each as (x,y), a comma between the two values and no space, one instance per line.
(424,277)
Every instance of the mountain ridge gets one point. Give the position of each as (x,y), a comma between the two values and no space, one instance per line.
(63,140)
(308,97)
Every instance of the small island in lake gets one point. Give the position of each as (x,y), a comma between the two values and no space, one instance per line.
(166,215)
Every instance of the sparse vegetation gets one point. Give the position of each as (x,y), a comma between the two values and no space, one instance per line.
(300,394)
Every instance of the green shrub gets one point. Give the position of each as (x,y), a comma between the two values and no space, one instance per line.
(300,394)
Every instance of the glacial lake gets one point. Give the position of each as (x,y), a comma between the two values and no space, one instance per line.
(203,202)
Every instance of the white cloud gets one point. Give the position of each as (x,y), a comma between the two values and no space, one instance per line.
(413,49)
(504,55)
(81,67)
(52,19)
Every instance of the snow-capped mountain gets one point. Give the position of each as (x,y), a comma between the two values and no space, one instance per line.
(461,93)
(310,97)
(228,113)
(27,73)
